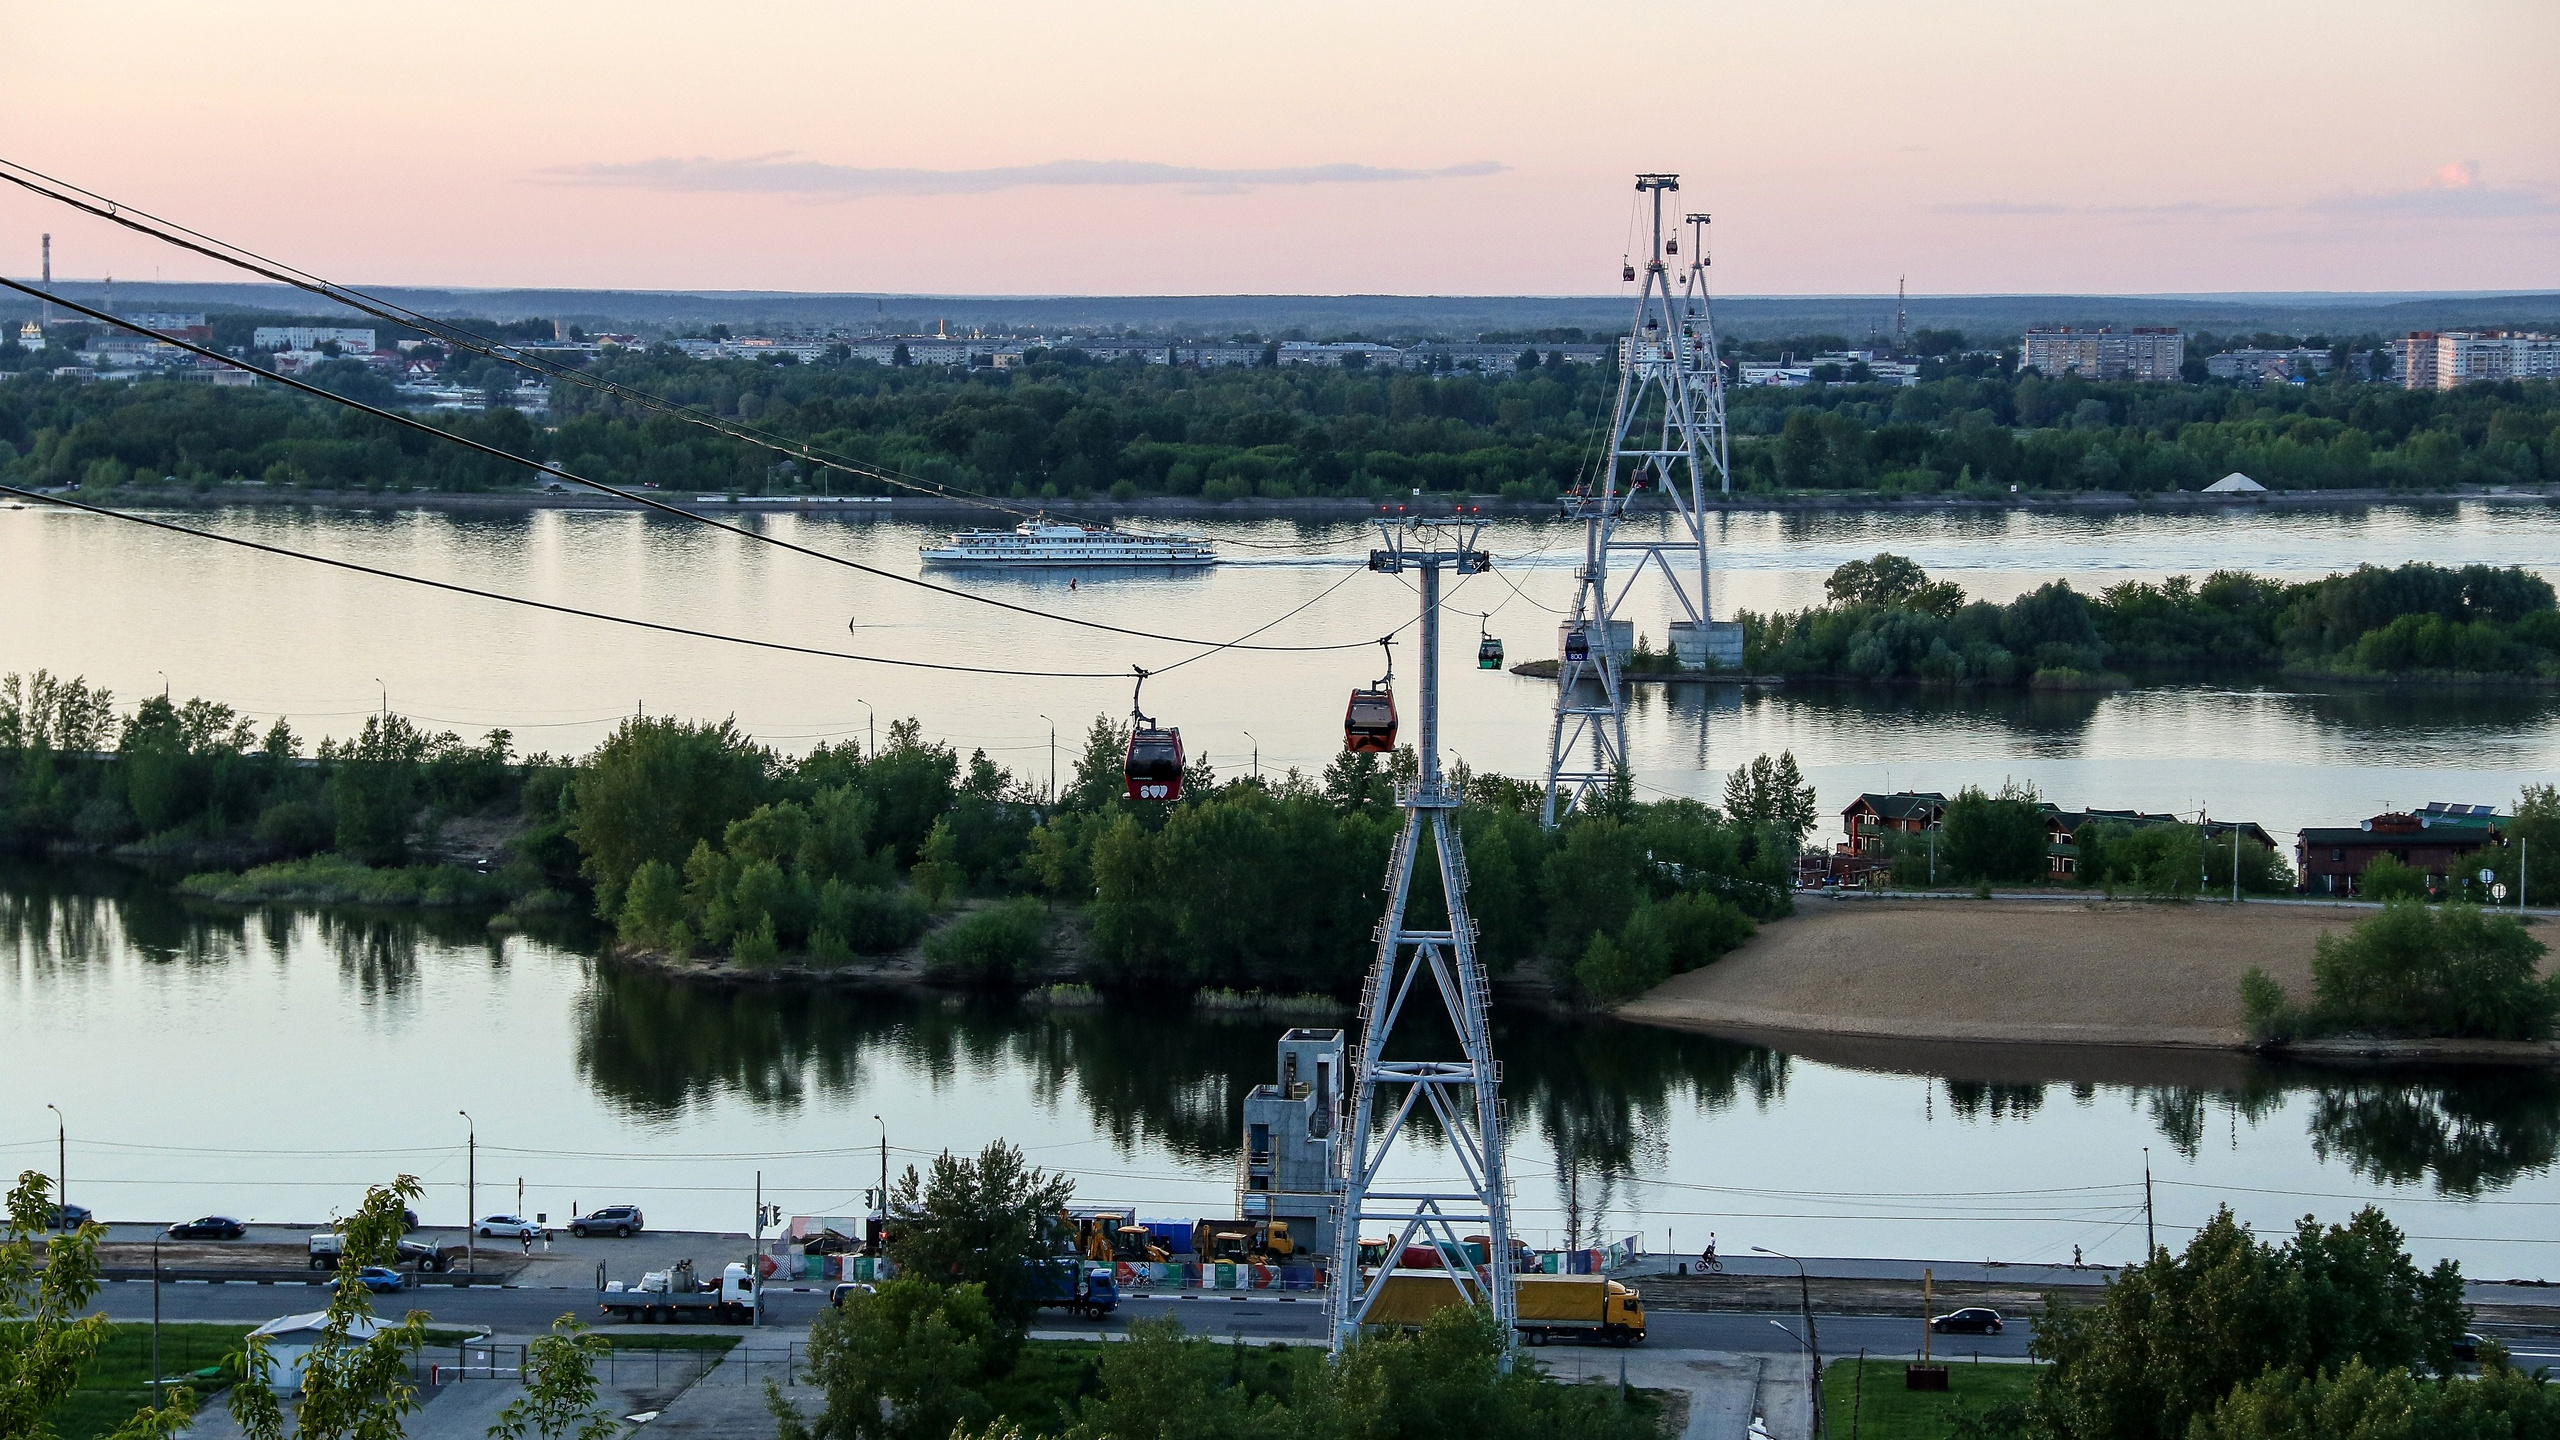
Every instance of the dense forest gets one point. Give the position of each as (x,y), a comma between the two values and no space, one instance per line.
(692,838)
(1065,424)
(1887,620)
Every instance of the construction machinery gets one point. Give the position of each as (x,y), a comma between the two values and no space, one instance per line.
(1257,1242)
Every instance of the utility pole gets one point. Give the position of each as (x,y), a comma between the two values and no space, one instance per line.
(2235,864)
(1667,435)
(471,1196)
(884,1182)
(157,1398)
(1413,962)
(1053,760)
(755,1257)
(1257,754)
(2150,1233)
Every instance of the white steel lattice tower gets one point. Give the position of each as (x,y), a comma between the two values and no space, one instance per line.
(1418,967)
(1667,435)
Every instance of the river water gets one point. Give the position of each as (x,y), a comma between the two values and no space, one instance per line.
(137,610)
(269,1064)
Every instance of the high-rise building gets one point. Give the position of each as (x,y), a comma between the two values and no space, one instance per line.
(2145,352)
(2433,360)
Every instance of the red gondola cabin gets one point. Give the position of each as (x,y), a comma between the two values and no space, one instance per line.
(1153,769)
(1369,725)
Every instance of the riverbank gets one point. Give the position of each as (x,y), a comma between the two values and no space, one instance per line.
(2027,972)
(1323,507)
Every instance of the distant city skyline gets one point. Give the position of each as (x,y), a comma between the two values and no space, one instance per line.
(1116,147)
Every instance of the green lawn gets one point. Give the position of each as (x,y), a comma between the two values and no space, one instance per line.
(118,1380)
(1882,1409)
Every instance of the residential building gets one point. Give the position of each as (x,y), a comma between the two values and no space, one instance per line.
(1792,373)
(2062,830)
(1336,352)
(2436,840)
(311,337)
(2256,367)
(2432,360)
(2151,353)
(1290,1129)
(1870,821)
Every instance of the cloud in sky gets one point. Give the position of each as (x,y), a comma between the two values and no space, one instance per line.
(784,173)
(2179,208)
(2454,191)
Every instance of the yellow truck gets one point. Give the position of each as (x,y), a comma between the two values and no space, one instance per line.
(1588,1307)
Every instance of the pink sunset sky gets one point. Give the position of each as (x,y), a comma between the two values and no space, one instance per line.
(1093,146)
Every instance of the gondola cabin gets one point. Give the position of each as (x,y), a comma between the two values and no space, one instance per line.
(1488,654)
(1153,769)
(1577,646)
(1369,726)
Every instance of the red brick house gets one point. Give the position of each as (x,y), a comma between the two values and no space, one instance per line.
(1869,819)
(2438,840)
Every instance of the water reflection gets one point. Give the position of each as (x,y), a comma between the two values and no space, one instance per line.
(1592,1104)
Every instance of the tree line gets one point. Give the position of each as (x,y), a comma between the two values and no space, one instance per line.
(1063,424)
(691,838)
(1886,620)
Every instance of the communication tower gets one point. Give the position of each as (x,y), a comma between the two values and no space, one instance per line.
(1667,435)
(1415,967)
(44,313)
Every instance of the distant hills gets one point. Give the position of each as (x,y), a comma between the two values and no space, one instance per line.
(1460,317)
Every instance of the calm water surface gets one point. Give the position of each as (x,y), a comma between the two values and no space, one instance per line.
(269,1064)
(135,609)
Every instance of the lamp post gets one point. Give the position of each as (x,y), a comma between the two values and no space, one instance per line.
(1257,755)
(471,1196)
(884,1182)
(156,1398)
(61,1168)
(1813,1340)
(386,700)
(871,720)
(1053,760)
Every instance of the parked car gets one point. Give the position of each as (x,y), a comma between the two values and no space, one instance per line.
(209,1227)
(512,1227)
(621,1220)
(382,1280)
(2467,1349)
(1975,1318)
(846,1290)
(408,1221)
(327,1246)
(67,1217)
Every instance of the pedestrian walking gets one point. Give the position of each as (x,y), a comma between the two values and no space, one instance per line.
(527,1237)
(2075,1257)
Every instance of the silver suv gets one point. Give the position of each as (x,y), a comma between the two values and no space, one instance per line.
(611,1220)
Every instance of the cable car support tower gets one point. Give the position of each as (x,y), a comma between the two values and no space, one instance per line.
(1667,435)
(1416,966)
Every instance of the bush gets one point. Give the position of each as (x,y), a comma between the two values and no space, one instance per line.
(297,827)
(2457,972)
(868,920)
(2386,879)
(993,946)
(104,821)
(1994,837)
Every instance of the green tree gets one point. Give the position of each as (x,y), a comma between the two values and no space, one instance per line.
(560,1399)
(2171,1337)
(1994,837)
(1163,1383)
(373,788)
(2387,878)
(1773,796)
(45,1342)
(995,946)
(2356,1401)
(355,1381)
(2456,971)
(906,1362)
(1891,580)
(655,789)
(984,1222)
(2533,833)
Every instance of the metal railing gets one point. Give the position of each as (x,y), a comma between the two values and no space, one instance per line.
(622,1368)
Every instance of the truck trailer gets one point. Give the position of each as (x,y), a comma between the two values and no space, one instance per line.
(1548,1307)
(1068,1283)
(671,1295)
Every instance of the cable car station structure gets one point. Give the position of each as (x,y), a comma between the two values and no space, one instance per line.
(1418,967)
(1667,435)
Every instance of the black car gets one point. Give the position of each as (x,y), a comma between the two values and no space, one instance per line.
(67,1217)
(611,1220)
(1975,1318)
(210,1227)
(2467,1349)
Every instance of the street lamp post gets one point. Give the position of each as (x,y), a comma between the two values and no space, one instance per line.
(884,1182)
(1257,755)
(1053,760)
(61,1168)
(157,1400)
(1813,1338)
(871,720)
(471,1197)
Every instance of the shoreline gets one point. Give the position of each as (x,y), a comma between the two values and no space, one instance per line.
(1896,974)
(1311,507)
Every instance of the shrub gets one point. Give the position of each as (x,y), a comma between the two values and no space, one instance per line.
(1994,837)
(104,821)
(869,920)
(993,946)
(2455,972)
(2386,879)
(297,827)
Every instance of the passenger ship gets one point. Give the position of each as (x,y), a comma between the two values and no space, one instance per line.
(1043,541)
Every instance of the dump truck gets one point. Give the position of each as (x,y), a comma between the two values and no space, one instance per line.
(1069,1283)
(672,1295)
(1548,1307)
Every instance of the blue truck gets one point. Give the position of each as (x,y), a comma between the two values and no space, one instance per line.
(1075,1286)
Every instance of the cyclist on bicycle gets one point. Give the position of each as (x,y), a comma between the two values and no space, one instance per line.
(1708,1255)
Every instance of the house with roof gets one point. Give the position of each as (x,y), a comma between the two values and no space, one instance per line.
(2062,831)
(1870,821)
(2437,840)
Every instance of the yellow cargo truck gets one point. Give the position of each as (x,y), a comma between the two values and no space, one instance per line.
(1590,1307)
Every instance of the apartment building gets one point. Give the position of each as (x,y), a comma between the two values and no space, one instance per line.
(2146,352)
(2441,360)
(310,337)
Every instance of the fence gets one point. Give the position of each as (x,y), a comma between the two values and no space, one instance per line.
(622,1368)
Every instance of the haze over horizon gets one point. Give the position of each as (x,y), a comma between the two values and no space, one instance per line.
(1114,147)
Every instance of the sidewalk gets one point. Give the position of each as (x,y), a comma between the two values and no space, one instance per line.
(1725,1390)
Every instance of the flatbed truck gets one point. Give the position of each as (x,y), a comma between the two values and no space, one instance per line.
(672,1296)
(1548,1307)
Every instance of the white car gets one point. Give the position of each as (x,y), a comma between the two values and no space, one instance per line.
(510,1227)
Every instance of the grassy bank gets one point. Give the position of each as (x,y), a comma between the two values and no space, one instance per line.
(118,1380)
(1868,1402)
(334,879)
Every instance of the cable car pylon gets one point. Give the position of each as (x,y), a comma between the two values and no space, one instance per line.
(1416,965)
(1668,434)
